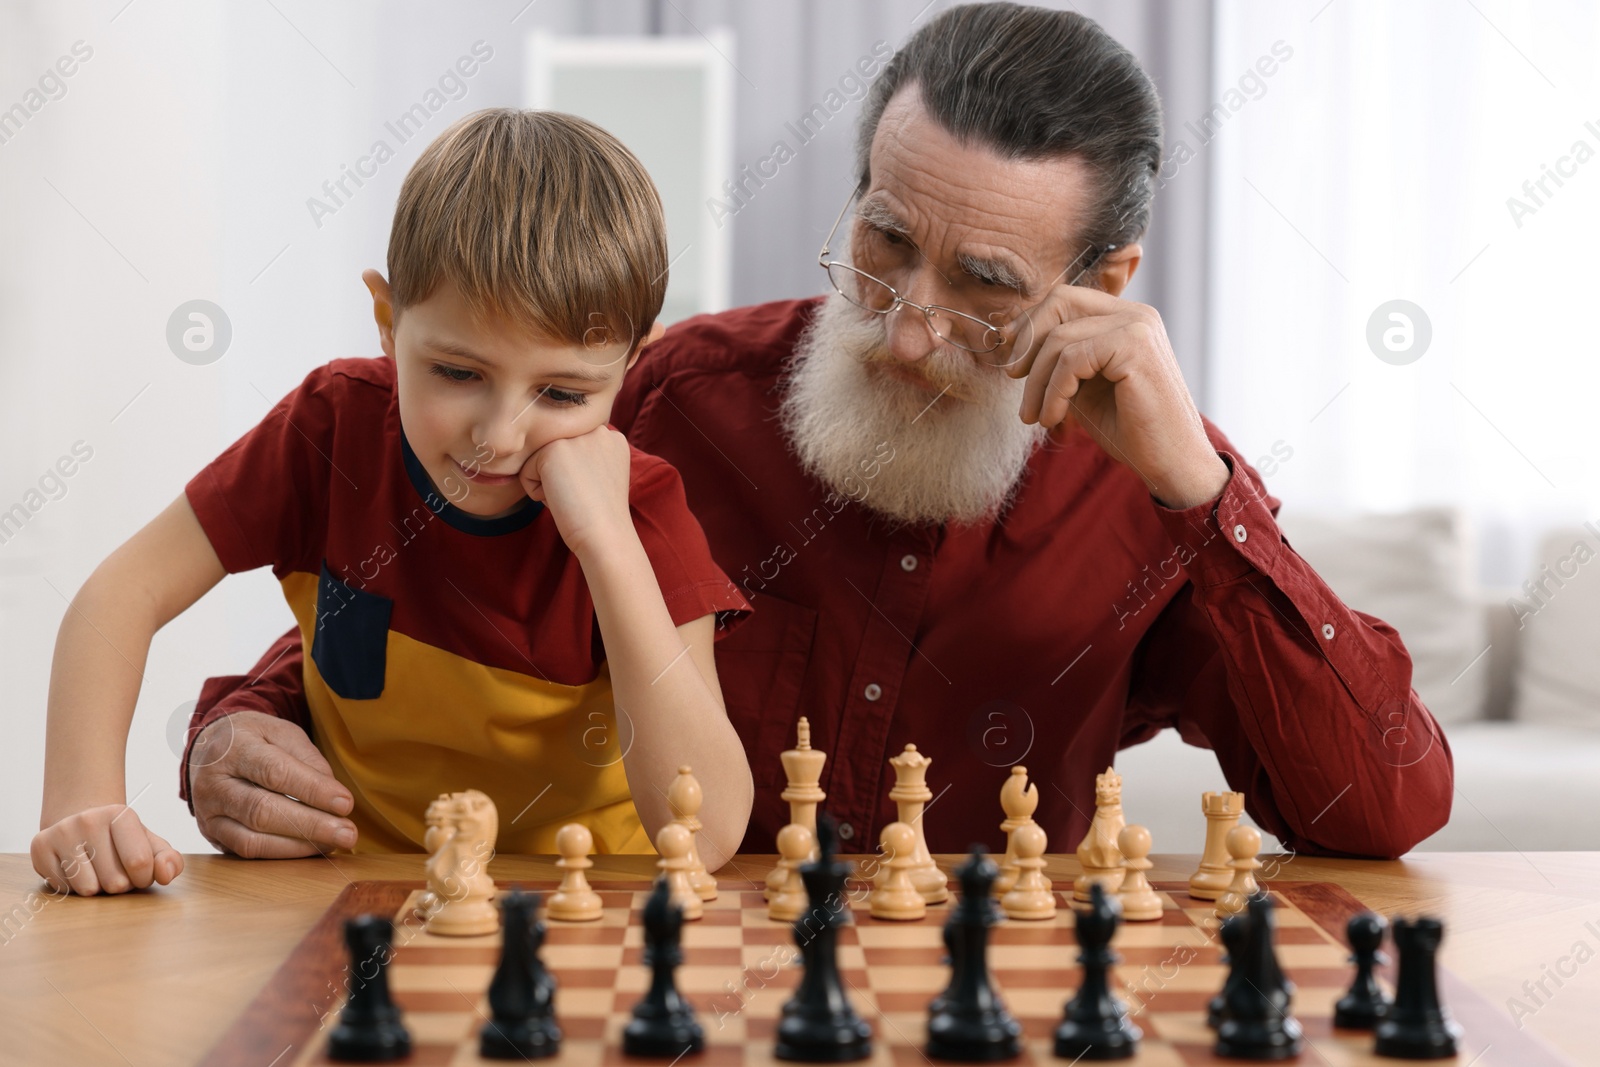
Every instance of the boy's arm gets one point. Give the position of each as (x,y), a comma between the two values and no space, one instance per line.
(663,676)
(88,839)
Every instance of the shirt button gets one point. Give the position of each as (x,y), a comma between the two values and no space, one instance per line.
(873,691)
(846,831)
(908,562)
(1327,630)
(1239,533)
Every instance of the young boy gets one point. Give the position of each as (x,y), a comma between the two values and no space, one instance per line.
(478,564)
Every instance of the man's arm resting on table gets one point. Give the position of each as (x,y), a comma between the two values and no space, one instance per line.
(1307,703)
(256,784)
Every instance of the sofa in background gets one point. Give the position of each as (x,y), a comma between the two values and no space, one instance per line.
(1517,689)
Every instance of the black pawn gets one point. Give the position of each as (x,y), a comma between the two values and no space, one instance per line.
(1417,1026)
(663,1023)
(1257,1025)
(522,993)
(1365,1004)
(1096,1025)
(818,1024)
(1232,934)
(369,1029)
(968,1022)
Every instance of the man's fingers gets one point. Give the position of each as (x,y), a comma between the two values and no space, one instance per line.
(131,843)
(239,839)
(289,737)
(275,815)
(273,767)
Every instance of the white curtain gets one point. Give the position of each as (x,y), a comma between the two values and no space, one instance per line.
(1379,164)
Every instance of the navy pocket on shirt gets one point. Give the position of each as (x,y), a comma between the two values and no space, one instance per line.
(351,644)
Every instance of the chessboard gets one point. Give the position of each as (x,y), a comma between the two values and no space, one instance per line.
(740,967)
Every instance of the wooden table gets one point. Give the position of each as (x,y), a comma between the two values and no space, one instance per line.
(155,978)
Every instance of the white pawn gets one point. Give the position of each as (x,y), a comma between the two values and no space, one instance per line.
(573,901)
(1018,800)
(897,897)
(685,797)
(1030,897)
(790,900)
(1139,902)
(673,842)
(1243,844)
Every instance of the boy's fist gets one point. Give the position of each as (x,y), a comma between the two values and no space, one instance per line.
(583,480)
(103,850)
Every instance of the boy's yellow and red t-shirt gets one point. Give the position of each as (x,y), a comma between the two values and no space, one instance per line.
(447,651)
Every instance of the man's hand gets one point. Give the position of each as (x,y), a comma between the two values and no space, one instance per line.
(104,849)
(246,771)
(583,480)
(1106,364)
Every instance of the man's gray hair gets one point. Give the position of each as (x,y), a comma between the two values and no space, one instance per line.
(1031,83)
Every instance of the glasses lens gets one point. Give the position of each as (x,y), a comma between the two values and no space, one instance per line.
(964,331)
(860,289)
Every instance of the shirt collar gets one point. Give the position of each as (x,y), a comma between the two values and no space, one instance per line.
(464,521)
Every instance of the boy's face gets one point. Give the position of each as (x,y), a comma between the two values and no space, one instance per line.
(477,400)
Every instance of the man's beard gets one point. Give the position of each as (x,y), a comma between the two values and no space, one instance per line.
(957,457)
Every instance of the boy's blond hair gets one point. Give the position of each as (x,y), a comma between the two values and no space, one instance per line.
(538,216)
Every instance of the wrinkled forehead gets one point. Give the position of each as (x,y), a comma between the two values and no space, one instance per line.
(957,198)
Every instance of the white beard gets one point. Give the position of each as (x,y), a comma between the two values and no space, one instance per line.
(958,458)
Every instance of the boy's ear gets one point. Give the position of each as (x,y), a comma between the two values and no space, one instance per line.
(382,308)
(650,338)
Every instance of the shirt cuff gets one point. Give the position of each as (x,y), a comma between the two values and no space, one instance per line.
(1227,538)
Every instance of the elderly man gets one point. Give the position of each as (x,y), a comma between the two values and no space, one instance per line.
(972,501)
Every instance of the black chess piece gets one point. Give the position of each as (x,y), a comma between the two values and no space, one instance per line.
(968,1022)
(1096,1025)
(1232,934)
(522,992)
(1417,1025)
(369,1028)
(1365,1004)
(1257,1024)
(818,1024)
(663,1023)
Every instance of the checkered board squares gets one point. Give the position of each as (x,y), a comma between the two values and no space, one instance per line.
(740,968)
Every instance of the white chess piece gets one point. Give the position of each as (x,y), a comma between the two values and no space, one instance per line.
(1140,903)
(458,875)
(432,838)
(1018,800)
(1244,842)
(574,901)
(802,767)
(911,794)
(672,842)
(1222,810)
(1030,896)
(897,896)
(795,843)
(1097,853)
(685,797)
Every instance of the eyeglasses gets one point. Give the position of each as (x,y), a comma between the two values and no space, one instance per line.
(982,336)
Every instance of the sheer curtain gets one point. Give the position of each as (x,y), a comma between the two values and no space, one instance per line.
(1386,160)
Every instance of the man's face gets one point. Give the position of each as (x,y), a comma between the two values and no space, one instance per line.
(944,224)
(477,399)
(958,225)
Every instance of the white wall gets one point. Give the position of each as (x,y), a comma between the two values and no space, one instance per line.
(178,165)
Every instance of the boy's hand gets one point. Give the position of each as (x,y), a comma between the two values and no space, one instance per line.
(103,850)
(245,771)
(584,482)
